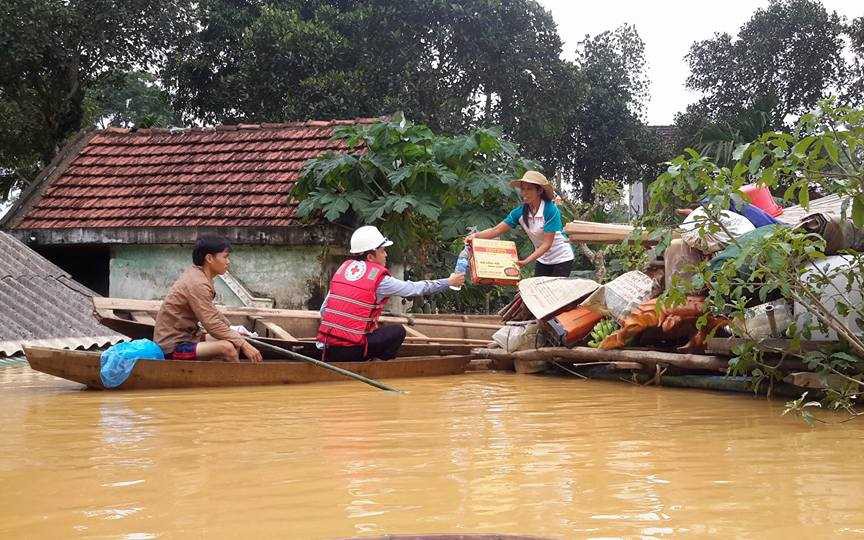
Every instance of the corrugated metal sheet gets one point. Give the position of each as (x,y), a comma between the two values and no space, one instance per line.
(41,304)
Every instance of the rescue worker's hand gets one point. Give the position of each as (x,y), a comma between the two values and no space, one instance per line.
(456,280)
(250,352)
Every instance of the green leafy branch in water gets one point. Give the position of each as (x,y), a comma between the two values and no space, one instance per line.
(801,407)
(822,154)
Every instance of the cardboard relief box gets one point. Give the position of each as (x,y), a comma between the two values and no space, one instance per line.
(493,262)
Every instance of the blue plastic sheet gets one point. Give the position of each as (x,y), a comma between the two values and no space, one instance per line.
(118,361)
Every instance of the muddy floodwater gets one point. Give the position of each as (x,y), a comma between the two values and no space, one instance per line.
(487,452)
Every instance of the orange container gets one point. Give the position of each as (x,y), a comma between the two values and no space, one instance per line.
(761,197)
(574,325)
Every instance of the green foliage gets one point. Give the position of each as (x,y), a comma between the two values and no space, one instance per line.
(719,140)
(823,153)
(128,100)
(801,407)
(52,53)
(611,139)
(789,52)
(453,66)
(782,61)
(854,94)
(419,188)
(450,65)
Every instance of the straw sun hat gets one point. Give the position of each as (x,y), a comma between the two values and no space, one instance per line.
(534,177)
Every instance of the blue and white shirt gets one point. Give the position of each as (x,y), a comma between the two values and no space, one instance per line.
(546,220)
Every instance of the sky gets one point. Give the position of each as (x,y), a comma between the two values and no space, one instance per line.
(668,28)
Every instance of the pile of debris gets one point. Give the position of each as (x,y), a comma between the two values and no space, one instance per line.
(581,327)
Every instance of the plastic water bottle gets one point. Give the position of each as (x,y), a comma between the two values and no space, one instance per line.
(461,265)
(462,261)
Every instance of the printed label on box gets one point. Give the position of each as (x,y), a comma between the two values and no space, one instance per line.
(494,262)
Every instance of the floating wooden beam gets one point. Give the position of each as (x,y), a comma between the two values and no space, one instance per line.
(814,380)
(649,359)
(531,366)
(726,345)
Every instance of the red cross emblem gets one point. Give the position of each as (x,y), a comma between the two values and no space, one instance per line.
(355,271)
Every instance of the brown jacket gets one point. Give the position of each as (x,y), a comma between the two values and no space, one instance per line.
(189,302)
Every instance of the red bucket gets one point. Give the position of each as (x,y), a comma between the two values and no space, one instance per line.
(761,197)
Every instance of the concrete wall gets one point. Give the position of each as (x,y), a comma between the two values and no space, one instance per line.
(289,275)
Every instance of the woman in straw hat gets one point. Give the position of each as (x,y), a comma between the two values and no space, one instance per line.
(541,220)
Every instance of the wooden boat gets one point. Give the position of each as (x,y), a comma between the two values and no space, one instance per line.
(83,367)
(429,335)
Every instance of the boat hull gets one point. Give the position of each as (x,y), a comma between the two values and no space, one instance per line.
(83,367)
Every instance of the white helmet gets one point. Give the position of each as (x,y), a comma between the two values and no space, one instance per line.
(368,238)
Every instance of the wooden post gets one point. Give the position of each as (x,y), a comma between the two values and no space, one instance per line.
(581,355)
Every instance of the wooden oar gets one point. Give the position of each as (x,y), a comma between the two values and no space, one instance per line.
(319,363)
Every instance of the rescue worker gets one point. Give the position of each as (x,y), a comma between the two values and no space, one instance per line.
(359,289)
(540,218)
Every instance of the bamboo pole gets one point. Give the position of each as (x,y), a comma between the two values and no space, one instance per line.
(325,365)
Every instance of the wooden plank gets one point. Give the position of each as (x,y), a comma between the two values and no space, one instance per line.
(414,333)
(128,304)
(276,330)
(410,339)
(603,233)
(143,317)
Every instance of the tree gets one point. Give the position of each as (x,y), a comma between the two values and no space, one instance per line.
(450,65)
(855,91)
(53,52)
(128,100)
(420,188)
(610,140)
(719,140)
(783,60)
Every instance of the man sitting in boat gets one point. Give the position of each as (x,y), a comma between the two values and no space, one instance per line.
(349,330)
(190,301)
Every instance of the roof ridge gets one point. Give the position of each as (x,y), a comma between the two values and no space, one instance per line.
(298,124)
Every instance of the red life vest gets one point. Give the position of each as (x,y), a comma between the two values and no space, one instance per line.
(351,309)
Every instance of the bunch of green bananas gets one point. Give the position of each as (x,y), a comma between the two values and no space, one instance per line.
(601,330)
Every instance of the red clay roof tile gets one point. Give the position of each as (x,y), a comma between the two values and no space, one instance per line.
(238,176)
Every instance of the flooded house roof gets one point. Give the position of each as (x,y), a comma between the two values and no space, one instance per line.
(40,304)
(227,176)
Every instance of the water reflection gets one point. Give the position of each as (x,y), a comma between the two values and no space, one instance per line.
(480,453)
